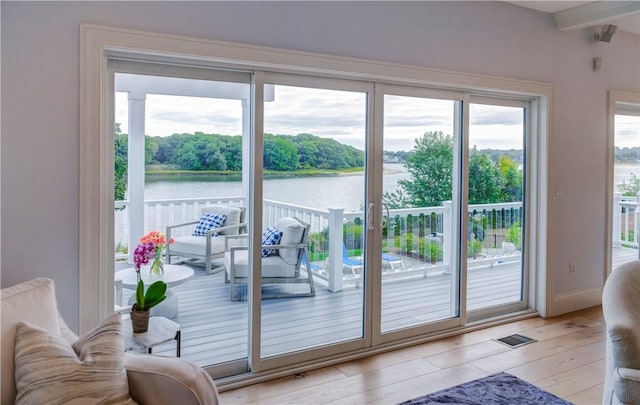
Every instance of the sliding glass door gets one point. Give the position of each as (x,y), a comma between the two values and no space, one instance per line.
(419,269)
(178,152)
(496,249)
(314,191)
(371,212)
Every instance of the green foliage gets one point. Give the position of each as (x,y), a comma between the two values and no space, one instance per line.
(120,163)
(120,248)
(494,176)
(430,165)
(352,235)
(150,149)
(200,152)
(514,235)
(474,247)
(156,293)
(206,152)
(632,188)
(280,153)
(485,182)
(511,179)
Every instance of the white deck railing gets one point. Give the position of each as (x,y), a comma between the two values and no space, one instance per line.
(421,237)
(626,220)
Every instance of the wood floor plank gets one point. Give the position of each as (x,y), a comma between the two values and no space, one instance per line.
(567,361)
(354,385)
(553,365)
(574,380)
(259,393)
(538,350)
(589,396)
(467,354)
(396,392)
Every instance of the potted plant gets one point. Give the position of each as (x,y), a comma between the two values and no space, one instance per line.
(155,294)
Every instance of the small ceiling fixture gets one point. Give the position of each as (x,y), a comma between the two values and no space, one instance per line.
(606,33)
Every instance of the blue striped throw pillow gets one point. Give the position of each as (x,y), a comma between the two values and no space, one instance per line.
(209,221)
(270,237)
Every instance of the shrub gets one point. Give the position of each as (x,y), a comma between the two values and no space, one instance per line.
(514,235)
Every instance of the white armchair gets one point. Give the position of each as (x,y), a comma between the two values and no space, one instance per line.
(206,247)
(282,267)
(621,309)
(150,379)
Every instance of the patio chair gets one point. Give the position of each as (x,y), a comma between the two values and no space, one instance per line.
(211,244)
(281,262)
(354,266)
(314,266)
(391,261)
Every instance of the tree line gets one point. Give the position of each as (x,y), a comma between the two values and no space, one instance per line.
(493,176)
(627,155)
(200,151)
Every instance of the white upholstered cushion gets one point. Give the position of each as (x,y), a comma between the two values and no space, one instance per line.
(168,380)
(51,371)
(620,304)
(197,245)
(272,266)
(292,233)
(33,302)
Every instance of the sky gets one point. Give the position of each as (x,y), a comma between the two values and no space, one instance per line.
(341,115)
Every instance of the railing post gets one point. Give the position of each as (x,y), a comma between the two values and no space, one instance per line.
(447,232)
(334,263)
(617,213)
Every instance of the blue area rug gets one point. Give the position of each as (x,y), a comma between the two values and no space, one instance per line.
(501,388)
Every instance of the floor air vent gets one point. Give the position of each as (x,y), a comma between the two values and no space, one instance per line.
(516,340)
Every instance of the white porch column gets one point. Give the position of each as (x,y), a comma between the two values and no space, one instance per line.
(617,212)
(447,235)
(136,168)
(336,241)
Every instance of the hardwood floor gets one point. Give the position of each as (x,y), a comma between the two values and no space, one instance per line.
(567,360)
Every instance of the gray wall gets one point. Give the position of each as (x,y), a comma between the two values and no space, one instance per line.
(40,87)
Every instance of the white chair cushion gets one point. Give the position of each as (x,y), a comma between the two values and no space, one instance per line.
(272,266)
(292,233)
(233,216)
(50,371)
(197,245)
(33,302)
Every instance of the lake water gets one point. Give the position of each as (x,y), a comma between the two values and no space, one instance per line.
(321,192)
(623,172)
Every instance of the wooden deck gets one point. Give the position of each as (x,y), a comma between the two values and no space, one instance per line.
(214,329)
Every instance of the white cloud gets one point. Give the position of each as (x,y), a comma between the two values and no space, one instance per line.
(627,133)
(340,115)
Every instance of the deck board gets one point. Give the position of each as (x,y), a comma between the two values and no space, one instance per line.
(214,329)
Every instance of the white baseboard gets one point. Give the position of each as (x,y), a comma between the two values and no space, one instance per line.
(575,301)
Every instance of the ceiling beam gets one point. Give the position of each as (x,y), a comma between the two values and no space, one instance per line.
(596,13)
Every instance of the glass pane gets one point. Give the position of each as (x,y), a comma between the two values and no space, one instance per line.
(626,189)
(314,193)
(419,272)
(495,213)
(176,156)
